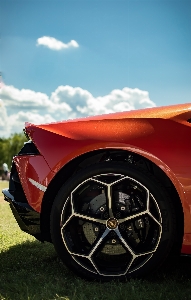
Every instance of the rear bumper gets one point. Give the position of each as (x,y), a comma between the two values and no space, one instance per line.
(27,218)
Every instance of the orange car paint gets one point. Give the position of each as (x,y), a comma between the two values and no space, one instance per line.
(160,134)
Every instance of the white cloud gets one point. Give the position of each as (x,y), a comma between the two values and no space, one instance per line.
(18,120)
(66,102)
(23,98)
(119,100)
(54,44)
(4,125)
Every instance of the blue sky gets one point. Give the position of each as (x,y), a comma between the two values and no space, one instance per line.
(144,45)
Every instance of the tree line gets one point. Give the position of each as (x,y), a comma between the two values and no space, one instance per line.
(9,147)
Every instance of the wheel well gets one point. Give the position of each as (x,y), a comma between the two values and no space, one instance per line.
(109,155)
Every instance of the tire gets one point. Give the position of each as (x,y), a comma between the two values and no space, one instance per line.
(112,221)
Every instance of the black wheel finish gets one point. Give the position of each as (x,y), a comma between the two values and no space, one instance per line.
(112,220)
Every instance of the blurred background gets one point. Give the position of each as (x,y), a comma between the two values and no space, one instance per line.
(68,59)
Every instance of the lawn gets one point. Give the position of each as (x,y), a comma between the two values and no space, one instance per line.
(30,270)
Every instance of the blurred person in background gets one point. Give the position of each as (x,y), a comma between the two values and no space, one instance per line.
(6,173)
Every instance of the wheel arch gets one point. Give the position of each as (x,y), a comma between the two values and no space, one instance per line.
(97,156)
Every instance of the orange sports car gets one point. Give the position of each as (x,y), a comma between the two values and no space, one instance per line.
(111,192)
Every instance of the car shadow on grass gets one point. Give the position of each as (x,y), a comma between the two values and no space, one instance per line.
(175,267)
(32,270)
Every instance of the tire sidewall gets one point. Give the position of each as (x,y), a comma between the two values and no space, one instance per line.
(155,188)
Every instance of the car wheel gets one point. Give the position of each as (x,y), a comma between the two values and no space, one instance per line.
(112,221)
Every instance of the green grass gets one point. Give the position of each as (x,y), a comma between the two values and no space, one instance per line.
(31,270)
(3,185)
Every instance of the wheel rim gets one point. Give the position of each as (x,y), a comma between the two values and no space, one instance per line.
(111,224)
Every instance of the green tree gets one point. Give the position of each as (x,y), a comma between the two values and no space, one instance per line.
(9,147)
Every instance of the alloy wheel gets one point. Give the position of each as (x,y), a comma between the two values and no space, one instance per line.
(111,224)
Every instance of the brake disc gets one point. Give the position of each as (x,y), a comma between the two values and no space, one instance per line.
(91,231)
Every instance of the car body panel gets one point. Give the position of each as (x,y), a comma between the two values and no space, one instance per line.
(33,169)
(162,135)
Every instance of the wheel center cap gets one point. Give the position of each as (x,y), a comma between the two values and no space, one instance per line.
(112,223)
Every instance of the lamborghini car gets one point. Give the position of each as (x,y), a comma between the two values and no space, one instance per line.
(111,192)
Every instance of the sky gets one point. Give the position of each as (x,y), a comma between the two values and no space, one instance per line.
(63,59)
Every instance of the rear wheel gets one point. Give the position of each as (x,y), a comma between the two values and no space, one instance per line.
(112,220)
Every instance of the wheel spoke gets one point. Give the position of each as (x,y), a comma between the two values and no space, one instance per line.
(110,202)
(148,200)
(91,219)
(124,242)
(130,249)
(133,216)
(154,219)
(67,221)
(71,202)
(99,242)
(109,196)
